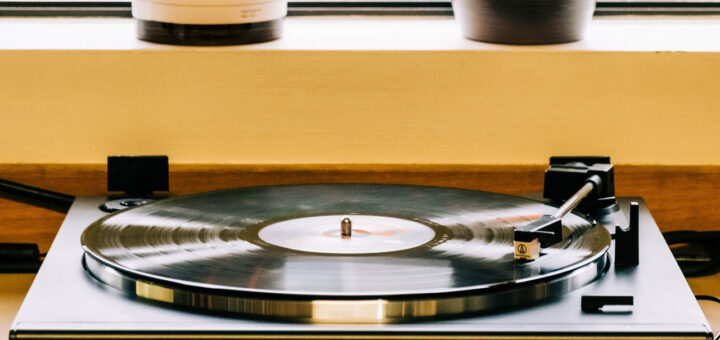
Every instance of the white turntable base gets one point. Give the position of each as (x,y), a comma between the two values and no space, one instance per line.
(664,304)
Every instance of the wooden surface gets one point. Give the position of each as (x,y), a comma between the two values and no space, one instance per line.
(680,197)
(708,285)
(13,288)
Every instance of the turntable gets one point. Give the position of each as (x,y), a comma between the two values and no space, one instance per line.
(360,261)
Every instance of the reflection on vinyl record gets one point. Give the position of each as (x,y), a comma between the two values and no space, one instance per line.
(405,251)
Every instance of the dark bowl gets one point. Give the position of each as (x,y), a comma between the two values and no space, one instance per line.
(523,21)
(209,35)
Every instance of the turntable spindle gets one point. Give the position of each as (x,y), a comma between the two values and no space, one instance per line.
(346,227)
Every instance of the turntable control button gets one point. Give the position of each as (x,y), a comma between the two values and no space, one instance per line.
(614,303)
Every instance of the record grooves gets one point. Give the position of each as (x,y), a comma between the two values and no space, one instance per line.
(279,252)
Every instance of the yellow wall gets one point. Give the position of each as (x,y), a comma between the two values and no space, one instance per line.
(265,106)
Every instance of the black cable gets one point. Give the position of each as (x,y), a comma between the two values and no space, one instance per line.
(25,257)
(19,258)
(35,196)
(708,298)
(699,254)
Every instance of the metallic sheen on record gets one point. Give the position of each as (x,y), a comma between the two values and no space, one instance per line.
(204,251)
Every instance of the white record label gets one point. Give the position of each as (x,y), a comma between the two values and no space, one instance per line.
(370,234)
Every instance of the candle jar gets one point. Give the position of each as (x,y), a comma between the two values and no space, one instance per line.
(209,22)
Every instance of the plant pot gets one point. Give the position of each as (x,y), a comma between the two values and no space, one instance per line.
(523,21)
(209,22)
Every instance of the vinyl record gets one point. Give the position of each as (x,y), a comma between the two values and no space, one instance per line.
(280,252)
